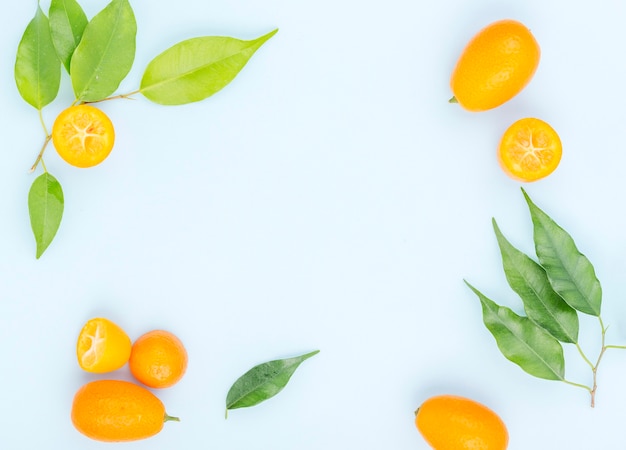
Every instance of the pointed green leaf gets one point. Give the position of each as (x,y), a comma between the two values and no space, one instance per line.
(542,305)
(37,67)
(45,206)
(197,68)
(263,381)
(105,53)
(522,341)
(67,23)
(570,273)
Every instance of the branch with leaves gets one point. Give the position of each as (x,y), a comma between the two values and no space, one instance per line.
(553,291)
(97,55)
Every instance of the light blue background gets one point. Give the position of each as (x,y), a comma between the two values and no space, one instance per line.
(329,198)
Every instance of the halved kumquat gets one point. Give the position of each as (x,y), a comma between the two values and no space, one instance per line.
(83,135)
(102,346)
(529,150)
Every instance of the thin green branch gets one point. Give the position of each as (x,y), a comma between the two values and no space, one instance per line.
(571,383)
(620,347)
(128,96)
(582,353)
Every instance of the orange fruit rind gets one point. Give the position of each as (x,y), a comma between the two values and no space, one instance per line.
(495,66)
(158,359)
(450,422)
(117,411)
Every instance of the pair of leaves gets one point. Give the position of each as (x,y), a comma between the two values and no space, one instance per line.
(552,291)
(263,381)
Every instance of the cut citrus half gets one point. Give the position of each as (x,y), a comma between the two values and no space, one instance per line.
(102,346)
(529,150)
(83,135)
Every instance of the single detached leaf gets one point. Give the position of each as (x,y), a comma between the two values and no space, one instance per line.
(37,67)
(197,68)
(105,53)
(522,341)
(542,305)
(67,23)
(570,273)
(263,381)
(45,206)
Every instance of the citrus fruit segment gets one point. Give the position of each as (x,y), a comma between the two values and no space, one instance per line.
(449,422)
(102,346)
(497,63)
(158,359)
(116,411)
(83,135)
(529,150)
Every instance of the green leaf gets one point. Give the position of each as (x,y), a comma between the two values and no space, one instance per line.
(570,273)
(67,23)
(105,53)
(197,68)
(522,341)
(45,206)
(542,305)
(263,381)
(37,67)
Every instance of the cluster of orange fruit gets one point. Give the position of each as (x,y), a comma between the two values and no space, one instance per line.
(83,135)
(115,410)
(495,66)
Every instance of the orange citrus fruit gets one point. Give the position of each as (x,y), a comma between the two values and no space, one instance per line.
(102,346)
(83,135)
(449,422)
(115,411)
(495,66)
(529,150)
(158,359)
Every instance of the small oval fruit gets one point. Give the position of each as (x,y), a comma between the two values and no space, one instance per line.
(497,63)
(449,422)
(102,346)
(158,359)
(117,411)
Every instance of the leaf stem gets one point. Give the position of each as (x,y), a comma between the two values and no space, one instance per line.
(571,383)
(620,347)
(580,350)
(127,96)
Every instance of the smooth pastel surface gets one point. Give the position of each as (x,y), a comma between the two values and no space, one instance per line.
(329,198)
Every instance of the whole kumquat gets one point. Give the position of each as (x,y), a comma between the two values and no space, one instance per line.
(495,66)
(116,411)
(158,359)
(449,422)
